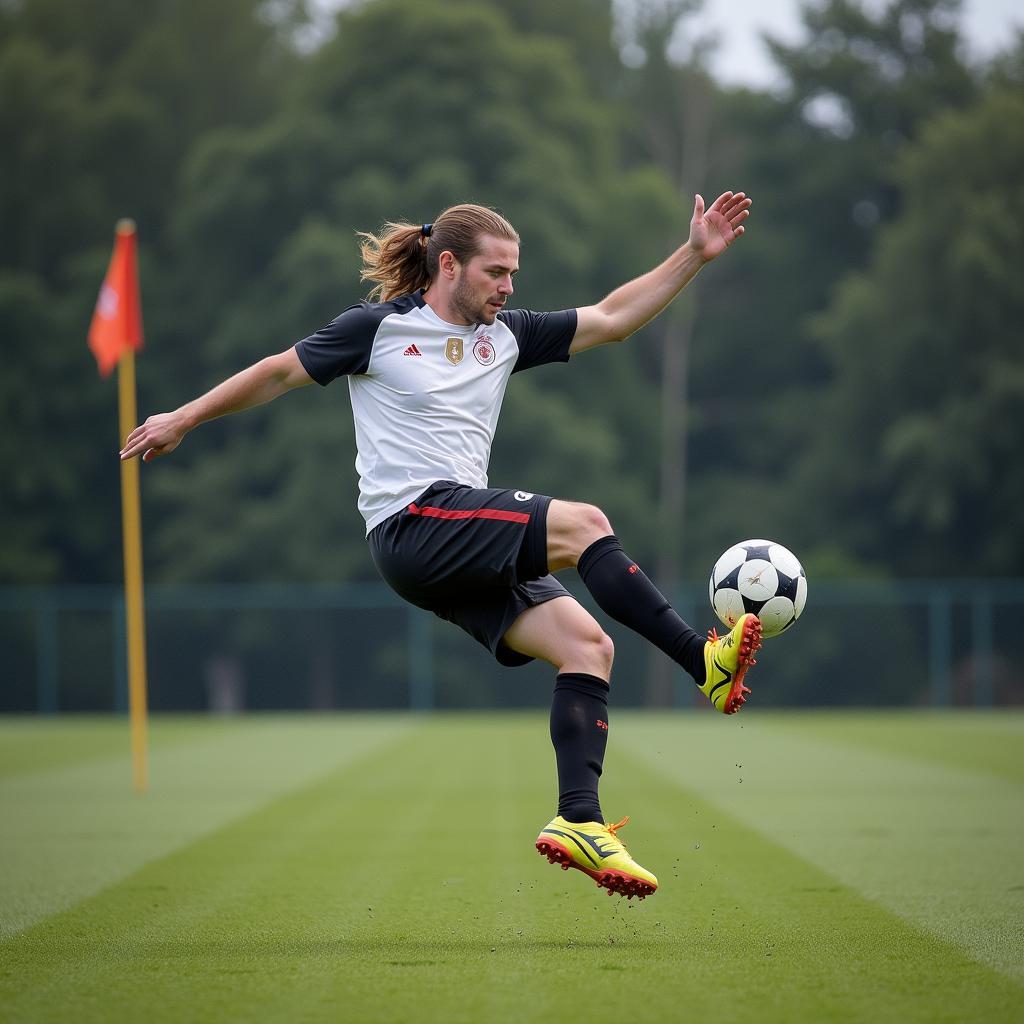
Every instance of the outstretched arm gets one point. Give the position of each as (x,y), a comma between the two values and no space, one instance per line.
(261,382)
(628,308)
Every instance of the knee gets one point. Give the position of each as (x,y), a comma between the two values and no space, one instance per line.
(592,524)
(572,528)
(604,652)
(593,652)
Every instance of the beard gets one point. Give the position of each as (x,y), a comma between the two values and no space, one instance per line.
(469,306)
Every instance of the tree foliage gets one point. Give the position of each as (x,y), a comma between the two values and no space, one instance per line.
(929,332)
(821,159)
(854,388)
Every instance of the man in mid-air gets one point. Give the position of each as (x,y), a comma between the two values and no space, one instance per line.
(427,365)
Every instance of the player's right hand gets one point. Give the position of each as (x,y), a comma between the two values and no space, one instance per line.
(159,435)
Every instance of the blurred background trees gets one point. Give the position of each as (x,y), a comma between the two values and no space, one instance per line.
(848,380)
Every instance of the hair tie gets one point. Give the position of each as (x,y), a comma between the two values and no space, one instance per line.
(426,229)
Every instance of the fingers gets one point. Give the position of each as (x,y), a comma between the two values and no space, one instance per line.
(159,435)
(731,204)
(140,442)
(718,206)
(737,218)
(135,444)
(738,210)
(132,443)
(734,208)
(148,453)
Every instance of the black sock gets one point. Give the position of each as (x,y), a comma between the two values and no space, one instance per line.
(623,591)
(579,734)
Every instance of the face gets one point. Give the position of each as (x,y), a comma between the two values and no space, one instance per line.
(483,285)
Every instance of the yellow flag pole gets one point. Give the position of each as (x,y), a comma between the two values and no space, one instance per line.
(131,518)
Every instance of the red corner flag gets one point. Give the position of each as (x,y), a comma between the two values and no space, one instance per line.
(117,322)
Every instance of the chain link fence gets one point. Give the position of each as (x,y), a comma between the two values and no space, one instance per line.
(231,648)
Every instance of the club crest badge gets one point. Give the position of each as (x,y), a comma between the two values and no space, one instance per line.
(483,350)
(453,351)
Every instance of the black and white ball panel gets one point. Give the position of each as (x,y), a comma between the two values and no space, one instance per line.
(762,577)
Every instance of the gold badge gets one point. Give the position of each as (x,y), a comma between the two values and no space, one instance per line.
(453,351)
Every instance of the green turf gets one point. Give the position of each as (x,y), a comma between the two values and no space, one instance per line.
(373,868)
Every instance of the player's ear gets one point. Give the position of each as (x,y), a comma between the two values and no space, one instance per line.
(447,264)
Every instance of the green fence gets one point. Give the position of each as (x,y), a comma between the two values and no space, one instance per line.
(939,643)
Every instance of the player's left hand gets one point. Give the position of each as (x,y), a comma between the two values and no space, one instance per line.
(713,231)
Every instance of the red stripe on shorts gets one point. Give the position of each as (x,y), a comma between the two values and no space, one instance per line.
(469,513)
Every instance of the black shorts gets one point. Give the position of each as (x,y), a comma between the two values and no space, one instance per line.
(474,556)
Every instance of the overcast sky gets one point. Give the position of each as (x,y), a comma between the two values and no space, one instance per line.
(742,59)
(988,27)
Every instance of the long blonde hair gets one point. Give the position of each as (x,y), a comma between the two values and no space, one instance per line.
(402,258)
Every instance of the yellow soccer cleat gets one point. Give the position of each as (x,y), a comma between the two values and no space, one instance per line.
(596,850)
(726,660)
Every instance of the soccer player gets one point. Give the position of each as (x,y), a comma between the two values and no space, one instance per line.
(427,365)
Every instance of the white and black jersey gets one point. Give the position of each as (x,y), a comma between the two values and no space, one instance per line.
(426,393)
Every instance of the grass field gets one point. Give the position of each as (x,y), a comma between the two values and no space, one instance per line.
(814,867)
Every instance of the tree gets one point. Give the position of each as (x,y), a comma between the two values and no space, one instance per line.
(860,85)
(584,27)
(274,212)
(674,103)
(916,456)
(820,161)
(98,105)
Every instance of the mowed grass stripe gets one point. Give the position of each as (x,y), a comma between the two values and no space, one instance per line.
(986,742)
(777,939)
(256,921)
(405,888)
(44,744)
(936,844)
(68,831)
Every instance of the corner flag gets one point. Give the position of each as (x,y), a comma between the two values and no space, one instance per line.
(114,337)
(117,322)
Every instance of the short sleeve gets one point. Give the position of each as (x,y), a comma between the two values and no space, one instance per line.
(343,346)
(541,337)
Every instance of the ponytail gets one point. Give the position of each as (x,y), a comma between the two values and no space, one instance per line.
(396,260)
(404,257)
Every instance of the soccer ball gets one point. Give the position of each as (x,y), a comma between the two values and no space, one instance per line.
(762,577)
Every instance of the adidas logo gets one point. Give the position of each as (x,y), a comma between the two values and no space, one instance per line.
(412,350)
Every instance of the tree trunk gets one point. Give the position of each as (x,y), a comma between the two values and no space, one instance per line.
(675,364)
(693,141)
